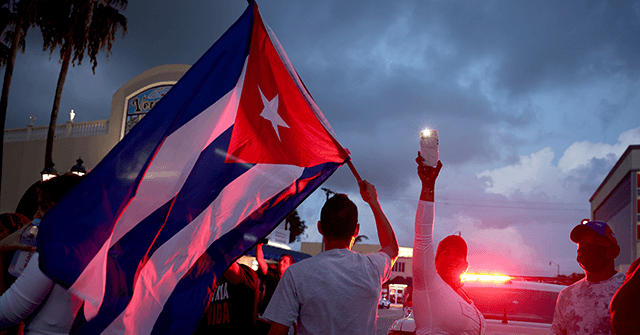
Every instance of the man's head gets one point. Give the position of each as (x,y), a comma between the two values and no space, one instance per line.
(51,191)
(451,259)
(285,262)
(339,218)
(597,246)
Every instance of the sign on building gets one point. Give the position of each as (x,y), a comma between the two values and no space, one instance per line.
(138,106)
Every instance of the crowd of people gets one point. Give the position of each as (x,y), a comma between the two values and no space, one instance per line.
(336,291)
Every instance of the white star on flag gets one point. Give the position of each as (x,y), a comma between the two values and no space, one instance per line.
(270,113)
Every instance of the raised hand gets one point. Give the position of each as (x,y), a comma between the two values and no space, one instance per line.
(12,242)
(428,176)
(368,192)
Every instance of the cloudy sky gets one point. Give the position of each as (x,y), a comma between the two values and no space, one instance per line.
(534,102)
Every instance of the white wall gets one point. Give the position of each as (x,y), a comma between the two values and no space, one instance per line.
(23,160)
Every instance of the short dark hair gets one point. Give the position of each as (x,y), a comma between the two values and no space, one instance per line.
(339,217)
(291,260)
(52,190)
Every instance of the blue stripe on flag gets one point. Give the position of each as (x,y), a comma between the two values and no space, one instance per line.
(106,191)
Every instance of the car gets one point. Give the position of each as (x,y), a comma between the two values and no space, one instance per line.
(509,307)
(383,302)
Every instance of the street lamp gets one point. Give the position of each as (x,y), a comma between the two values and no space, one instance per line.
(552,262)
(48,172)
(78,169)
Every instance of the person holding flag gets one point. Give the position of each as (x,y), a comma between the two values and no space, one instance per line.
(336,291)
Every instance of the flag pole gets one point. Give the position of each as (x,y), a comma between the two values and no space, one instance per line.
(353,170)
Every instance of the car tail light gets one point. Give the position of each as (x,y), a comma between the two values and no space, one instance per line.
(399,332)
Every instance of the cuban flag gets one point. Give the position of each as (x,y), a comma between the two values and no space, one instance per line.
(231,150)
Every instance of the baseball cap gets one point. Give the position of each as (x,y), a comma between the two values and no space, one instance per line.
(599,227)
(452,241)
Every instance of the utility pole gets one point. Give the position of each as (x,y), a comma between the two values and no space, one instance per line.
(552,262)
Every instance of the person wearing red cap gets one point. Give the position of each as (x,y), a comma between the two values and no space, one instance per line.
(583,307)
(440,305)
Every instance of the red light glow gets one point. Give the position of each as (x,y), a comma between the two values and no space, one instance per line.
(484,277)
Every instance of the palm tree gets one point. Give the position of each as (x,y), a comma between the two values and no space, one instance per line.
(16,17)
(360,238)
(77,26)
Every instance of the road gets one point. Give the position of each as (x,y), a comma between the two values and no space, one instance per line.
(386,318)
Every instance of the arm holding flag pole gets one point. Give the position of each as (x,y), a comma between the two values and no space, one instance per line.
(386,235)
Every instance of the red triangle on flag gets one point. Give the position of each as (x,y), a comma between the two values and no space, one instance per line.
(274,123)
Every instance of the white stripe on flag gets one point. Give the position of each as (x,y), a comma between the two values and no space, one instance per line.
(174,258)
(162,181)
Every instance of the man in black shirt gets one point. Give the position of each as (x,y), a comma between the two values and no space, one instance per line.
(269,276)
(234,306)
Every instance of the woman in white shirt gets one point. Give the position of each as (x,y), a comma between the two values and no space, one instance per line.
(45,307)
(440,305)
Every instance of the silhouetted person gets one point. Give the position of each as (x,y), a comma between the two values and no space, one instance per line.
(583,307)
(440,305)
(270,276)
(269,279)
(9,224)
(234,306)
(625,305)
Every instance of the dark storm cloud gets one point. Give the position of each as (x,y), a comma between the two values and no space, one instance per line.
(542,43)
(609,111)
(535,44)
(380,71)
(160,32)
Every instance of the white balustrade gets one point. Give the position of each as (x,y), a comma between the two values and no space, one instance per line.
(68,129)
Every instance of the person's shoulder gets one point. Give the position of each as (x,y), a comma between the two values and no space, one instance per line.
(248,272)
(379,257)
(573,287)
(619,278)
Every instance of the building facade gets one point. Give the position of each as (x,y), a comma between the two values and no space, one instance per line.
(617,202)
(24,148)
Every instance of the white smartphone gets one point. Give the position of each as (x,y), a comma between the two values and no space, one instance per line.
(429,146)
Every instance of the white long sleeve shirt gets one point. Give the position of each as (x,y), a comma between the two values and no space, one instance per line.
(45,307)
(437,308)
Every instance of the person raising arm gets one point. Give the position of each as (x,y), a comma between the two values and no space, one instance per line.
(336,291)
(440,305)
